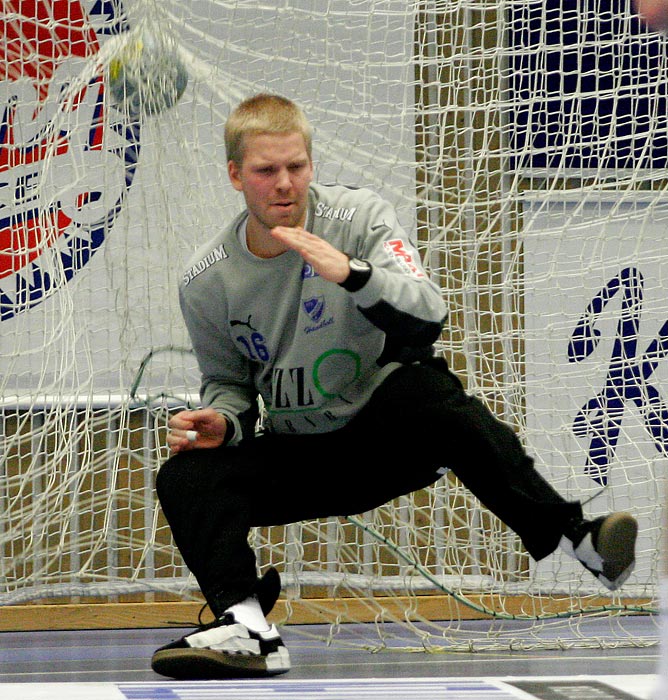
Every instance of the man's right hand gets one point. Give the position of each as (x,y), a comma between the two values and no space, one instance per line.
(200,428)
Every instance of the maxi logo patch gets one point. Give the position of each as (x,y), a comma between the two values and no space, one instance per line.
(66,163)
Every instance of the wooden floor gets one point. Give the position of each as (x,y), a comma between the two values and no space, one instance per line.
(114,665)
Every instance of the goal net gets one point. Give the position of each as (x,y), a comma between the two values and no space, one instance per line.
(524,143)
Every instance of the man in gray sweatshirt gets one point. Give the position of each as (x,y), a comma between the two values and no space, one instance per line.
(312,311)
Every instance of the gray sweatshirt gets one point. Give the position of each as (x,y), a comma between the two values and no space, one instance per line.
(310,350)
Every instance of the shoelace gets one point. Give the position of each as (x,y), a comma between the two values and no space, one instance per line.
(206,625)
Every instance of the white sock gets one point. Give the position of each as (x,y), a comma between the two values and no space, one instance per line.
(249,613)
(584,552)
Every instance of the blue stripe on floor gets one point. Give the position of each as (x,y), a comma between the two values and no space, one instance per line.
(363,689)
(605,688)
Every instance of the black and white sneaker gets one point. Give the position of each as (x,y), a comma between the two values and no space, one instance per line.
(605,546)
(223,649)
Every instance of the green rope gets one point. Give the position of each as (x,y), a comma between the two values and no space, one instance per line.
(481,608)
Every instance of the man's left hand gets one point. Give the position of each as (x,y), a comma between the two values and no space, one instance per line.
(327,261)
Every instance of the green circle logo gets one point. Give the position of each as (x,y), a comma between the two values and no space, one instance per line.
(338,368)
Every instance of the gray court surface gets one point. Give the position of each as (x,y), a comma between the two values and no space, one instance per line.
(115,665)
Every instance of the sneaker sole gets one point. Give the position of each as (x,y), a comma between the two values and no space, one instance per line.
(198,664)
(616,544)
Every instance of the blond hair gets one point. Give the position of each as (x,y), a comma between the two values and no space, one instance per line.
(264,114)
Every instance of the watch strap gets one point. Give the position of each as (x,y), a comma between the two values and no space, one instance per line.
(360,271)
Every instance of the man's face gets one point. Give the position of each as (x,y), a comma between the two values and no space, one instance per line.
(274,177)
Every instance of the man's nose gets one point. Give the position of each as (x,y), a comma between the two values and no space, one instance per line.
(283,179)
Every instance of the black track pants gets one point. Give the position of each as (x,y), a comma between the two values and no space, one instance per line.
(418,420)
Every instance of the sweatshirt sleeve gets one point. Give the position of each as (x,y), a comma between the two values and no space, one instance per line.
(399,298)
(227,381)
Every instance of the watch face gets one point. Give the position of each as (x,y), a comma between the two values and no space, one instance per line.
(359,265)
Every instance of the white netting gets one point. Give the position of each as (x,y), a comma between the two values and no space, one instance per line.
(524,142)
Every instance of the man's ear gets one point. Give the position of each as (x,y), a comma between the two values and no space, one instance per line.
(233,171)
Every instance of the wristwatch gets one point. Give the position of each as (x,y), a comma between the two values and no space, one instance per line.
(360,271)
